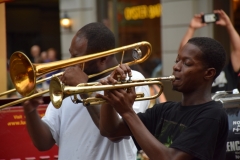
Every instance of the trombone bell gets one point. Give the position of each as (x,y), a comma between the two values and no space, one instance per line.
(22,73)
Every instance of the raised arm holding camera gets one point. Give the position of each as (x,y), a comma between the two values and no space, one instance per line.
(227,80)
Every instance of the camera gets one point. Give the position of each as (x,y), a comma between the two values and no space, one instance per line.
(210,18)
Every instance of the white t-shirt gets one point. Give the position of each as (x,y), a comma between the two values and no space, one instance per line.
(78,137)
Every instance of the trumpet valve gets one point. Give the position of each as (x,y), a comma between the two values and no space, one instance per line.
(119,78)
(130,77)
(75,99)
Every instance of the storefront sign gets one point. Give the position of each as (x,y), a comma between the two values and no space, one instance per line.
(143,12)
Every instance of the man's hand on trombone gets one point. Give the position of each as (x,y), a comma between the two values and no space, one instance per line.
(73,76)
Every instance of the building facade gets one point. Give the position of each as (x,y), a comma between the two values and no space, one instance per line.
(162,23)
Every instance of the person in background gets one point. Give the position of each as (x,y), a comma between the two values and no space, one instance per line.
(45,84)
(74,127)
(44,57)
(35,53)
(196,128)
(227,80)
(157,72)
(51,57)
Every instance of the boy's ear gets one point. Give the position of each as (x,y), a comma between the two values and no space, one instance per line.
(210,73)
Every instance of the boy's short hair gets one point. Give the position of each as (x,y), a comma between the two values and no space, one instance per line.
(214,55)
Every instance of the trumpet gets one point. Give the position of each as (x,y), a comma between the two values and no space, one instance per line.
(58,91)
(24,74)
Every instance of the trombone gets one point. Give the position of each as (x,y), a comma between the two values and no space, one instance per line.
(58,91)
(24,73)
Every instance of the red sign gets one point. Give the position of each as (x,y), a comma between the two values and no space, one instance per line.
(15,142)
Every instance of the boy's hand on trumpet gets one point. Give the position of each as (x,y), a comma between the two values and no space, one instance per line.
(121,99)
(119,74)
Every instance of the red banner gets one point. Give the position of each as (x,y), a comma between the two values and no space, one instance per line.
(15,142)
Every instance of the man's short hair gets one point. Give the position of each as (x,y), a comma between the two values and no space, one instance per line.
(100,38)
(214,55)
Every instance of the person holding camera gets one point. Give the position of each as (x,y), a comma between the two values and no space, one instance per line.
(228,78)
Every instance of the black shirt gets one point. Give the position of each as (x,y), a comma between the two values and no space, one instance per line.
(199,130)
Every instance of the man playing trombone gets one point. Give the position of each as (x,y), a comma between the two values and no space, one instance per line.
(195,128)
(73,127)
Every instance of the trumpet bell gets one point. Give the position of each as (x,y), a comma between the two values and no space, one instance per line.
(23,77)
(56,92)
